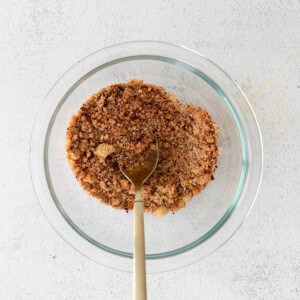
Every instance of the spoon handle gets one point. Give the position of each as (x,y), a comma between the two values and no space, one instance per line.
(139,272)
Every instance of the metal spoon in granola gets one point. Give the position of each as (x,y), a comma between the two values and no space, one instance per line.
(138,177)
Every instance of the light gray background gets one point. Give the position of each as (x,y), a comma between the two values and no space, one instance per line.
(256,42)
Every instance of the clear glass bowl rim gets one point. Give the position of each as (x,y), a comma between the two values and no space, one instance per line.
(154,259)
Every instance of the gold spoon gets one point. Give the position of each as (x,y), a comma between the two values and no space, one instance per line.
(138,177)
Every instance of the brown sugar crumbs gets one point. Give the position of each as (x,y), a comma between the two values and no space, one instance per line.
(116,127)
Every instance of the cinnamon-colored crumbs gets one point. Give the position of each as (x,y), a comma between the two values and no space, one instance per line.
(116,127)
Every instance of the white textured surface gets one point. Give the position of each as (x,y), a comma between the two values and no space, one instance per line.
(257,42)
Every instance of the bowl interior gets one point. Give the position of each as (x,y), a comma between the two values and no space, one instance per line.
(111,229)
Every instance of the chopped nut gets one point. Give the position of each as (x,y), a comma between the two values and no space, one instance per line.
(103,185)
(124,184)
(103,150)
(88,178)
(75,155)
(161,211)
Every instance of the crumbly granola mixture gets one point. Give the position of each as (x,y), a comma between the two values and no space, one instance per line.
(117,126)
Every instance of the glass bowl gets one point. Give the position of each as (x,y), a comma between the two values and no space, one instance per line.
(104,234)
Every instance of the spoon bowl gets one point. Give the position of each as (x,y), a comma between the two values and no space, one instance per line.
(139,175)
